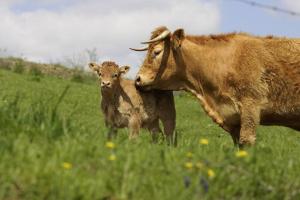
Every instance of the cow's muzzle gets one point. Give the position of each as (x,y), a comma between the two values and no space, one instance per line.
(138,81)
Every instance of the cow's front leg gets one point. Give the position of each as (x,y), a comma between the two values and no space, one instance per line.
(250,116)
(167,115)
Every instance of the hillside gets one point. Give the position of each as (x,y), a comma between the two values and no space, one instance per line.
(53,146)
(20,66)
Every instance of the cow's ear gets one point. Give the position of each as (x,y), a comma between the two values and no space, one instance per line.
(177,38)
(124,69)
(95,67)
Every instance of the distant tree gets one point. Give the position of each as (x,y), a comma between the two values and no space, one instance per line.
(92,55)
(80,60)
(3,52)
(76,60)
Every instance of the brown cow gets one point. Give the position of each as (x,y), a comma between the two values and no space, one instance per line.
(124,106)
(240,80)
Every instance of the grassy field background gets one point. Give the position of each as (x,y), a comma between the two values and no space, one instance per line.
(53,146)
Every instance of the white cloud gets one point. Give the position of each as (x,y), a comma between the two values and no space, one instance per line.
(293,5)
(47,31)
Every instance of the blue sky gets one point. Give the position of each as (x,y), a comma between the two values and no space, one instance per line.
(62,30)
(241,17)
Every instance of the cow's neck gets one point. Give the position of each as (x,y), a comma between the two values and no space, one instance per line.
(203,71)
(204,66)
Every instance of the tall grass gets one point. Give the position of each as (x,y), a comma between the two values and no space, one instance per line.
(53,146)
(39,118)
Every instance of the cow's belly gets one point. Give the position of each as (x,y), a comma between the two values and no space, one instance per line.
(291,119)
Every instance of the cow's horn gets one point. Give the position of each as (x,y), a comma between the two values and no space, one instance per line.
(162,36)
(141,49)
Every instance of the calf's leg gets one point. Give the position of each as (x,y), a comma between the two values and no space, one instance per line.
(112,132)
(134,126)
(154,129)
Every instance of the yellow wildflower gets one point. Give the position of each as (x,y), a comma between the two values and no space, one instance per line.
(188,165)
(241,154)
(211,173)
(199,165)
(203,141)
(67,165)
(189,154)
(110,145)
(112,157)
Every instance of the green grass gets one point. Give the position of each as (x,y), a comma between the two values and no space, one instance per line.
(47,123)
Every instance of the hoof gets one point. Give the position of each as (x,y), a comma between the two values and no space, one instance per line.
(249,141)
(133,137)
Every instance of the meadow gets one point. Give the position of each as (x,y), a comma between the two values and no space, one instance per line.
(53,146)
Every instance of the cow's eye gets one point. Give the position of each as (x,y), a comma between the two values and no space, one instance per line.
(115,75)
(99,73)
(156,52)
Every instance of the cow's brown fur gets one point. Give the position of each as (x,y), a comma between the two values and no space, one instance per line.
(240,80)
(124,106)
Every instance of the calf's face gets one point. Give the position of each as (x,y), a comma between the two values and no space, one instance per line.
(109,73)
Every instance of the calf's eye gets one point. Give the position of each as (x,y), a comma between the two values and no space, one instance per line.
(115,75)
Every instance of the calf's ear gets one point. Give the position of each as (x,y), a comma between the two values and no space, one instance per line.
(124,69)
(177,38)
(93,66)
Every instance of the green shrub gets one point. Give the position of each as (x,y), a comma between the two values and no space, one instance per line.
(35,78)
(19,67)
(5,64)
(35,71)
(77,77)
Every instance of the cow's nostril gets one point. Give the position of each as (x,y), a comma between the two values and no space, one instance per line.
(105,84)
(138,79)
